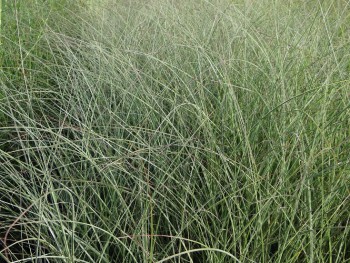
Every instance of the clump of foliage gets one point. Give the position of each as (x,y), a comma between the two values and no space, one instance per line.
(176,131)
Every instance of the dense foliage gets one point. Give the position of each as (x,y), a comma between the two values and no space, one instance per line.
(175,131)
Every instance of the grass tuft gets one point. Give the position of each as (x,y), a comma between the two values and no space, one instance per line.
(175,131)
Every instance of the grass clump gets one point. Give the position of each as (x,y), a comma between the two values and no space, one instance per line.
(181,131)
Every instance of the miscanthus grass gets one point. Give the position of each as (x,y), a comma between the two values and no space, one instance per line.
(175,131)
